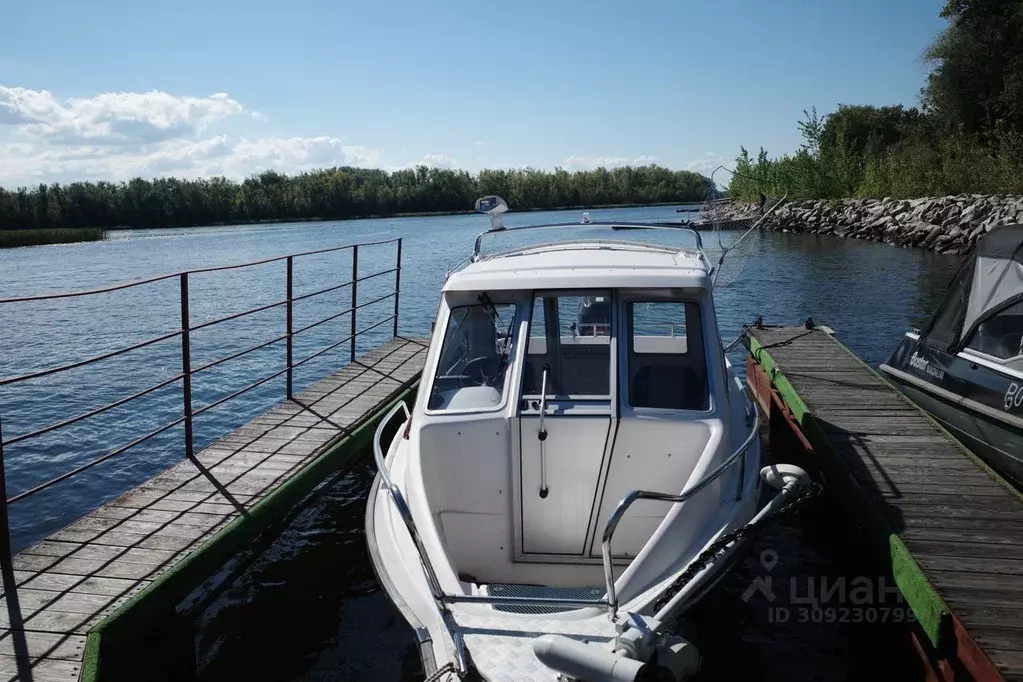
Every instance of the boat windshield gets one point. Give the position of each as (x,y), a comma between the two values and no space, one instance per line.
(528,236)
(1001,336)
(474,356)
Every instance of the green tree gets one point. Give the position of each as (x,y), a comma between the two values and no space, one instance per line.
(333,193)
(977,81)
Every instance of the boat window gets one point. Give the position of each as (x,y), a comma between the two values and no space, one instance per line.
(1000,336)
(667,367)
(570,337)
(474,357)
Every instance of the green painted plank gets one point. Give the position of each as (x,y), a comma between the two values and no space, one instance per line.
(931,612)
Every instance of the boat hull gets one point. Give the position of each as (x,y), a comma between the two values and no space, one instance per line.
(967,398)
(485,630)
(424,643)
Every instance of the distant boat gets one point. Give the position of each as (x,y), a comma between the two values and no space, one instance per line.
(966,366)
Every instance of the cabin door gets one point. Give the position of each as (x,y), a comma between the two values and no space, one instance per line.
(568,374)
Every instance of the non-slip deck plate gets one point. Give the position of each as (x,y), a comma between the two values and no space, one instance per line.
(501,645)
(64,585)
(963,527)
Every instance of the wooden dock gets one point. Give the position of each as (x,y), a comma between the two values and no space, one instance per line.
(952,528)
(60,593)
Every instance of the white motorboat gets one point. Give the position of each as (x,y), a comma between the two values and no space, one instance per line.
(578,454)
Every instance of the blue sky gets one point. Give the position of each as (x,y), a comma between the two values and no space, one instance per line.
(109,89)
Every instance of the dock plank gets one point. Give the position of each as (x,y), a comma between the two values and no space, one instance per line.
(42,669)
(65,584)
(46,644)
(961,524)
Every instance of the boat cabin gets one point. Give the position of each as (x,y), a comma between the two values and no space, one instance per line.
(560,378)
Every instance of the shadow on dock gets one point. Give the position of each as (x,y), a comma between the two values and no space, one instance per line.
(155,544)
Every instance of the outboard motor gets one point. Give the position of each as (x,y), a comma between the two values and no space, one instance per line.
(594,316)
(643,652)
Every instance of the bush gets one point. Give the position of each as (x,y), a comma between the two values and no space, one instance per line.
(917,167)
(12,238)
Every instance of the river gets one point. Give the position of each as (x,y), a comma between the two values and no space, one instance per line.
(869,293)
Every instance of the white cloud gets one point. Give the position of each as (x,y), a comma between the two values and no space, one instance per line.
(429,160)
(120,135)
(219,155)
(590,162)
(708,163)
(509,166)
(438,161)
(644,160)
(112,117)
(302,153)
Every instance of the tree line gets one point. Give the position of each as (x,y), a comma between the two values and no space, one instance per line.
(965,137)
(334,193)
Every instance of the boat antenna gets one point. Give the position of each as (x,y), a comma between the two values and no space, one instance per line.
(494,206)
(725,250)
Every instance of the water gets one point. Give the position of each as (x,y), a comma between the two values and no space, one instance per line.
(317,573)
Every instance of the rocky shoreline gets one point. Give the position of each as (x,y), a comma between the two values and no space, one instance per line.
(951,224)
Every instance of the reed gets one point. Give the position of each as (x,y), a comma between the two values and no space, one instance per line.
(12,238)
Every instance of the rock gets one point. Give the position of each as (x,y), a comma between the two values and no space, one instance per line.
(951,224)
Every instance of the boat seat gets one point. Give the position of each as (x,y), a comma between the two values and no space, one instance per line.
(668,386)
(998,338)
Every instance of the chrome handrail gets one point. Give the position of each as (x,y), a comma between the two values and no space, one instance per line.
(541,434)
(626,502)
(402,505)
(629,225)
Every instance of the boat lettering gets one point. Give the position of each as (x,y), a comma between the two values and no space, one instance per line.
(919,363)
(1013,396)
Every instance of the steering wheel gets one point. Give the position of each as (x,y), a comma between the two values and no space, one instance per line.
(476,367)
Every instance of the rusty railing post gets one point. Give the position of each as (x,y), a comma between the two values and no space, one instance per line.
(397,287)
(290,290)
(186,365)
(355,293)
(5,526)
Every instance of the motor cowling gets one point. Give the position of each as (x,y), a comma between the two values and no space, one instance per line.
(581,661)
(675,660)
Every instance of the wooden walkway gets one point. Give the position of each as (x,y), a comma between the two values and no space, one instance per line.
(962,525)
(66,584)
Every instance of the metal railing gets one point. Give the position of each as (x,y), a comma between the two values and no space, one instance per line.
(610,601)
(188,369)
(616,516)
(696,247)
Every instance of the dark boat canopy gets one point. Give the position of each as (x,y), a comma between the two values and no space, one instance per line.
(988,281)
